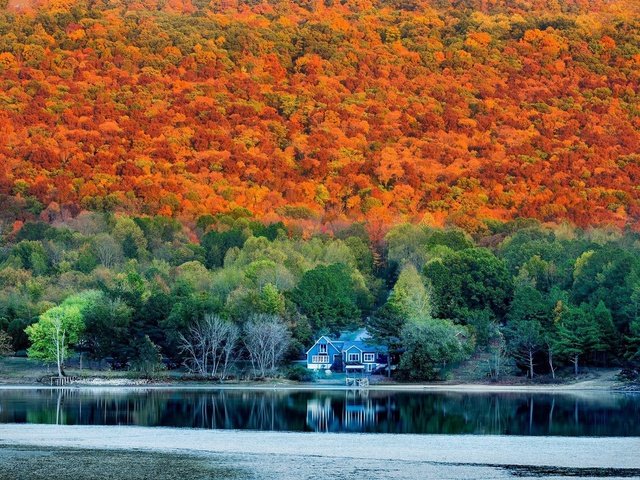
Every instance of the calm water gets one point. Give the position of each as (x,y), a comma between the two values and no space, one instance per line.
(587,414)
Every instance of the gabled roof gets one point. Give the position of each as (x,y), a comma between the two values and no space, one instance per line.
(336,345)
(358,340)
(363,346)
(360,335)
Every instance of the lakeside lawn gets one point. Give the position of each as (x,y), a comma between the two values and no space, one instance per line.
(19,371)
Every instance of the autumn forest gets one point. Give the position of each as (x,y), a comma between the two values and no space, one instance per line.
(323,113)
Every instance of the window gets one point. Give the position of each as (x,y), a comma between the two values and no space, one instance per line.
(353,357)
(320,359)
(323,348)
(369,357)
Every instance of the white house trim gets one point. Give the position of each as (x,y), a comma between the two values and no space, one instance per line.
(356,355)
(318,341)
(352,346)
(320,359)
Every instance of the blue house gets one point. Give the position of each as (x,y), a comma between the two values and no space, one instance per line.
(335,355)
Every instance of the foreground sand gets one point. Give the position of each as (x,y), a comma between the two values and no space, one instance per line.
(299,455)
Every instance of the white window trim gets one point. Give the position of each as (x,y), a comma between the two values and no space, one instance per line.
(369,357)
(320,359)
(353,357)
(323,348)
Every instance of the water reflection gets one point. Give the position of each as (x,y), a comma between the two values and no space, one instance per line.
(357,413)
(597,414)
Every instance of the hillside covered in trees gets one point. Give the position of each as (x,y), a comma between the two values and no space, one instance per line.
(131,289)
(323,113)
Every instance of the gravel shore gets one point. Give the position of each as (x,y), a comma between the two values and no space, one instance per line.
(259,455)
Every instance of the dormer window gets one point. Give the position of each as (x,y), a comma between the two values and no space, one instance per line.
(323,348)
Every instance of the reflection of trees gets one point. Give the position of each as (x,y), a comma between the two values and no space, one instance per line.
(329,411)
(234,409)
(522,414)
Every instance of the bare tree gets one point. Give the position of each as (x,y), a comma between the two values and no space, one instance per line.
(195,348)
(498,351)
(266,339)
(551,346)
(209,346)
(5,344)
(107,249)
(229,348)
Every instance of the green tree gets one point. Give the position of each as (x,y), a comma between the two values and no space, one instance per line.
(470,279)
(326,295)
(271,301)
(606,339)
(608,274)
(430,345)
(410,298)
(633,341)
(385,326)
(524,329)
(130,236)
(483,325)
(406,244)
(59,329)
(525,340)
(578,334)
(453,239)
(108,329)
(216,244)
(148,360)
(32,255)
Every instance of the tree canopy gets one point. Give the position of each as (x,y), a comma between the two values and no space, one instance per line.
(321,112)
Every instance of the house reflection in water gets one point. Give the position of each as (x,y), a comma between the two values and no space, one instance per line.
(355,411)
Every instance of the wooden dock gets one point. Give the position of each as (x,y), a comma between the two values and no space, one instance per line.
(62,381)
(357,382)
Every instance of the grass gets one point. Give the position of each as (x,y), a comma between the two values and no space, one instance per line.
(40,463)
(25,370)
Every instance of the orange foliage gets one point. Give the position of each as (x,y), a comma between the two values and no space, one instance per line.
(325,112)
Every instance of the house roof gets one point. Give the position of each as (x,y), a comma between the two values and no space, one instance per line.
(360,335)
(363,346)
(337,345)
(349,340)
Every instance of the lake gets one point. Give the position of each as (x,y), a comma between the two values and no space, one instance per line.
(369,411)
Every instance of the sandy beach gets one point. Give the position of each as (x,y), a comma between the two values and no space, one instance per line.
(300,455)
(596,385)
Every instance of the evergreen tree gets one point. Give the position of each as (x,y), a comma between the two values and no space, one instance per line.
(578,334)
(326,295)
(148,360)
(524,329)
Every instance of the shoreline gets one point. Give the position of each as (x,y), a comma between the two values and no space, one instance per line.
(417,388)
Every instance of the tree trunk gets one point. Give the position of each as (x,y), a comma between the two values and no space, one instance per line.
(551,367)
(575,364)
(59,351)
(531,372)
